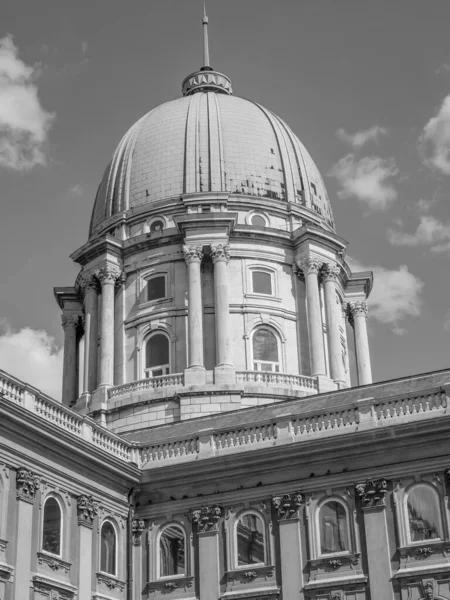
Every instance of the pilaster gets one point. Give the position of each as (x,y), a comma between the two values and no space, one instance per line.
(137,531)
(87,510)
(207,520)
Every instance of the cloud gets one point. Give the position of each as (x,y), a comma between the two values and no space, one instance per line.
(84,47)
(360,138)
(367,179)
(24,124)
(76,191)
(434,142)
(445,68)
(396,294)
(430,232)
(32,356)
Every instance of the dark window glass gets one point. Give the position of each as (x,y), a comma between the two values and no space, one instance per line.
(333,528)
(172,552)
(156,226)
(265,346)
(157,351)
(424,514)
(108,549)
(51,535)
(262,282)
(156,288)
(258,221)
(250,540)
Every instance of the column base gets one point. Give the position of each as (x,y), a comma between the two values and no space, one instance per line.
(84,402)
(325,384)
(99,398)
(224,374)
(195,376)
(341,385)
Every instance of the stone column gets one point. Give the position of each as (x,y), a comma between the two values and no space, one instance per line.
(221,256)
(193,256)
(107,277)
(87,510)
(310,268)
(119,331)
(70,323)
(330,273)
(291,562)
(372,494)
(90,288)
(138,527)
(207,520)
(358,318)
(27,484)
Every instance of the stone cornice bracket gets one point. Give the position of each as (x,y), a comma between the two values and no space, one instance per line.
(108,275)
(330,272)
(27,484)
(357,309)
(288,506)
(220,252)
(372,492)
(192,254)
(69,321)
(137,528)
(87,510)
(207,518)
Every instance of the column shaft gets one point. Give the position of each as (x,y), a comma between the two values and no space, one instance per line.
(119,342)
(107,279)
(222,306)
(359,316)
(70,369)
(90,336)
(193,258)
(329,276)
(315,327)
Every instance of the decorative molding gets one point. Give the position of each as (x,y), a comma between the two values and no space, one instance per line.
(112,583)
(69,321)
(330,563)
(207,518)
(166,586)
(121,280)
(108,275)
(87,509)
(428,590)
(53,562)
(311,264)
(27,484)
(288,506)
(425,551)
(6,572)
(357,309)
(220,252)
(47,585)
(137,527)
(89,282)
(330,272)
(372,492)
(249,575)
(192,254)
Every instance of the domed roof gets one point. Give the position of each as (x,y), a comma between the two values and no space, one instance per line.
(209,141)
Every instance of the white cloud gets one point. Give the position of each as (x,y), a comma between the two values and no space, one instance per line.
(434,143)
(360,138)
(395,294)
(430,232)
(24,124)
(32,356)
(367,179)
(84,47)
(76,191)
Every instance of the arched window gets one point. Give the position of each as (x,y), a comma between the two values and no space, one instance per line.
(52,527)
(333,528)
(250,540)
(157,360)
(172,552)
(265,350)
(108,549)
(424,514)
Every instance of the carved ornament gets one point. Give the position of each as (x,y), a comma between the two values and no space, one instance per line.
(27,484)
(110,582)
(192,254)
(330,272)
(87,510)
(89,282)
(220,252)
(71,321)
(311,264)
(55,564)
(357,309)
(121,280)
(138,527)
(288,505)
(107,275)
(336,596)
(372,492)
(428,590)
(207,518)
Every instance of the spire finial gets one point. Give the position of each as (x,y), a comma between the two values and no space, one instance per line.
(205,39)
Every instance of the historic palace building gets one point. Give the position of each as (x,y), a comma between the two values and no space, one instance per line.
(217,447)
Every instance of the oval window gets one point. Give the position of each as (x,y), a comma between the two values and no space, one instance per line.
(258,221)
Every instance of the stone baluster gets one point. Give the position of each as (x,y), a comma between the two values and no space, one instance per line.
(87,510)
(70,323)
(207,520)
(193,256)
(310,268)
(358,318)
(107,277)
(221,256)
(119,333)
(330,273)
(89,285)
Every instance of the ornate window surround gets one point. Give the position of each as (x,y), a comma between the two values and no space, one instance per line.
(249,293)
(249,216)
(238,517)
(118,562)
(63,525)
(158,551)
(149,222)
(143,346)
(280,344)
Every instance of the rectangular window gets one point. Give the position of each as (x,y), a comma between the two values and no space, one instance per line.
(156,288)
(262,282)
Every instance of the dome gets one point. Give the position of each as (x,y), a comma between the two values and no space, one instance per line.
(209,141)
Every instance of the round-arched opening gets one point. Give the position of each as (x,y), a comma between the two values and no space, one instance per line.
(52,527)
(108,549)
(157,355)
(333,528)
(424,514)
(265,348)
(172,552)
(250,540)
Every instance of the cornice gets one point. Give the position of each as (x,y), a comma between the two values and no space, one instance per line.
(107,244)
(311,233)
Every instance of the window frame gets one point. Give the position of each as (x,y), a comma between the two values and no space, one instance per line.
(147,282)
(349,550)
(239,516)
(145,342)
(61,530)
(154,219)
(249,216)
(433,490)
(116,558)
(158,552)
(274,332)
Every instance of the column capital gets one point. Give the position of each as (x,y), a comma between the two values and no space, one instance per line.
(88,283)
(221,252)
(137,528)
(372,493)
(288,506)
(309,264)
(192,254)
(71,321)
(87,509)
(330,272)
(108,275)
(121,280)
(207,518)
(357,309)
(27,484)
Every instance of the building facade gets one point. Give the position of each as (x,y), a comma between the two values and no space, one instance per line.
(210,442)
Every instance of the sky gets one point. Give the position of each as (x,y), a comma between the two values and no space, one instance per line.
(365,85)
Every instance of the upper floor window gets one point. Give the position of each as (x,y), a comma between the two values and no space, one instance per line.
(172,552)
(52,527)
(265,350)
(262,282)
(157,360)
(108,548)
(258,221)
(424,514)
(250,540)
(156,287)
(333,528)
(157,225)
